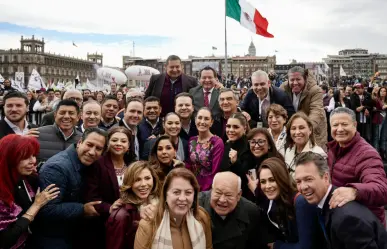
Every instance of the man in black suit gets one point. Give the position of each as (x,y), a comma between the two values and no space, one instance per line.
(167,85)
(206,95)
(350,226)
(261,96)
(15,109)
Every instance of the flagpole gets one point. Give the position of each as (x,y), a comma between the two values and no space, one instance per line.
(225,40)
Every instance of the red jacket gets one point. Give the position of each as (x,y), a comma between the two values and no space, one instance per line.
(121,227)
(358,165)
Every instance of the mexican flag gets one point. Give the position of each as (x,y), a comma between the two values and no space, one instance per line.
(248,17)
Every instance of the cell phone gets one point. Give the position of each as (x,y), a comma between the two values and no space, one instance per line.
(253,174)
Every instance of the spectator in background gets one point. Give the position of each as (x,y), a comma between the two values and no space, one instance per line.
(91,115)
(110,108)
(121,99)
(100,97)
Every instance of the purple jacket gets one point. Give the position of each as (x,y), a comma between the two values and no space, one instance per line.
(204,160)
(358,165)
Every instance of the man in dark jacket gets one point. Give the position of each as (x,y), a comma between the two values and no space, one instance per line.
(349,226)
(261,96)
(235,220)
(15,109)
(56,225)
(167,85)
(362,105)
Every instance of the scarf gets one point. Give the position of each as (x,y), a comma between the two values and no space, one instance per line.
(163,238)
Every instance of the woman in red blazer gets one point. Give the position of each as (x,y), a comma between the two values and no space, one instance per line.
(102,182)
(140,187)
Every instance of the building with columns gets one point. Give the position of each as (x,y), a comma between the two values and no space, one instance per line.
(52,67)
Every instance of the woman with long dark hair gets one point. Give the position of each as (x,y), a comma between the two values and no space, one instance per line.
(20,199)
(290,220)
(383,127)
(163,157)
(103,180)
(140,187)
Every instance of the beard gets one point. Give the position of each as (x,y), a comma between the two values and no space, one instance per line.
(18,118)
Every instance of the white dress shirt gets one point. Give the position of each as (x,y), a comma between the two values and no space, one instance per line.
(209,94)
(322,202)
(16,128)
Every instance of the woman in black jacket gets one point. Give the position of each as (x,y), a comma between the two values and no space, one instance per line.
(236,149)
(340,99)
(19,200)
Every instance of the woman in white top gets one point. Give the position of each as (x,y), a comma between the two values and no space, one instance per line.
(276,118)
(299,138)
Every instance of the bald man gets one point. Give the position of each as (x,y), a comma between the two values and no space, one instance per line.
(235,220)
(73,94)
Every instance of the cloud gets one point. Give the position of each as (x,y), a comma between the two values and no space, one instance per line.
(306,30)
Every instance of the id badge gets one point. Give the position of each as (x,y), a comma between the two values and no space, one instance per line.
(259,125)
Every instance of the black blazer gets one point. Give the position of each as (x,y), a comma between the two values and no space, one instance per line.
(250,104)
(198,96)
(353,226)
(367,103)
(6,130)
(156,84)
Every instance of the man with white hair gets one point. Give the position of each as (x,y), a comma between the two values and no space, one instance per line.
(235,220)
(261,95)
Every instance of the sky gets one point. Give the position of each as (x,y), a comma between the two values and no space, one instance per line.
(305,30)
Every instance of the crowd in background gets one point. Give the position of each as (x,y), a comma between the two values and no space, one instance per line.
(195,163)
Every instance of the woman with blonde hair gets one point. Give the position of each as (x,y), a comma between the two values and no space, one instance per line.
(140,187)
(179,222)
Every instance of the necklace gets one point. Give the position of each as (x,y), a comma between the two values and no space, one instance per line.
(120,172)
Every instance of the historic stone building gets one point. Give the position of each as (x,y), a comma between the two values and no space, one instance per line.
(51,67)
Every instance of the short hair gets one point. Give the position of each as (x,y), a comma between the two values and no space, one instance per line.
(16,94)
(90,102)
(97,130)
(84,90)
(172,58)
(109,97)
(260,73)
(311,157)
(67,102)
(324,87)
(208,68)
(239,186)
(226,90)
(297,69)
(184,94)
(152,99)
(340,110)
(58,91)
(134,99)
(277,110)
(50,90)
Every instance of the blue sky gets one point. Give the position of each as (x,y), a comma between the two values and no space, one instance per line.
(144,40)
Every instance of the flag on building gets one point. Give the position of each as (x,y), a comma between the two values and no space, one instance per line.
(214,48)
(36,82)
(320,71)
(326,67)
(248,17)
(342,73)
(74,44)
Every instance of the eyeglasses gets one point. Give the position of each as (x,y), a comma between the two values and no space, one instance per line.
(259,142)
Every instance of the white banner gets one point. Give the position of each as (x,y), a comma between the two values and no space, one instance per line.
(1,79)
(19,78)
(36,82)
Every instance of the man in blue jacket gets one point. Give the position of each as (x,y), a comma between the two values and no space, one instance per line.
(261,95)
(57,222)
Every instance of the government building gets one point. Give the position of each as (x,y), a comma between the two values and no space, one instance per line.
(51,67)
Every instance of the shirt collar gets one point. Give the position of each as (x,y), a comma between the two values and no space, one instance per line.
(64,136)
(152,125)
(13,126)
(134,131)
(322,202)
(210,91)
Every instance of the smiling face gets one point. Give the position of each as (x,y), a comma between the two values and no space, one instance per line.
(203,120)
(300,132)
(174,69)
(234,129)
(109,109)
(310,183)
(15,109)
(91,148)
(225,194)
(343,128)
(260,86)
(172,125)
(207,79)
(66,117)
(259,145)
(119,144)
(180,196)
(152,110)
(276,122)
(27,166)
(91,115)
(184,107)
(134,113)
(297,82)
(268,184)
(143,184)
(227,102)
(165,152)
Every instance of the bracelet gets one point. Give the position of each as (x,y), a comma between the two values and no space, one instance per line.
(30,216)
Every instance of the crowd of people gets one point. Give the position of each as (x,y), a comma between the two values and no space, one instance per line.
(192,164)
